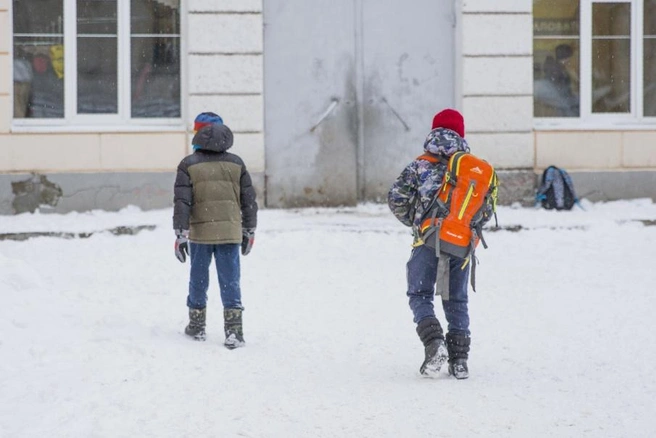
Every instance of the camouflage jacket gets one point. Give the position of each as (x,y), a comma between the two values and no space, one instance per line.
(412,192)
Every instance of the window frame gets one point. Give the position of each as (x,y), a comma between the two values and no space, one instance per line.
(587,120)
(122,121)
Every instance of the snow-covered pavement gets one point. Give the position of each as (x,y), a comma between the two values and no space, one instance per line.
(91,341)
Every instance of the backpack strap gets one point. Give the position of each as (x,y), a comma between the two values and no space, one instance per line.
(454,163)
(442,279)
(494,195)
(432,158)
(472,258)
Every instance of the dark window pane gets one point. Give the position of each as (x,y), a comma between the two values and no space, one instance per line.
(650,17)
(556,58)
(96,17)
(650,78)
(97,76)
(611,57)
(611,19)
(155,77)
(38,64)
(650,59)
(155,17)
(43,16)
(556,74)
(38,77)
(611,75)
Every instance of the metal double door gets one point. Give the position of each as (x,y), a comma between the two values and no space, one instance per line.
(350,89)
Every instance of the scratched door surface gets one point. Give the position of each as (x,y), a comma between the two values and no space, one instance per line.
(408,59)
(350,88)
(310,129)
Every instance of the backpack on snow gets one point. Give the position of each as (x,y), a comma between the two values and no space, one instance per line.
(557,190)
(454,220)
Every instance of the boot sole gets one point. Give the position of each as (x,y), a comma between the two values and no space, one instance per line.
(459,377)
(232,342)
(433,366)
(201,337)
(233,346)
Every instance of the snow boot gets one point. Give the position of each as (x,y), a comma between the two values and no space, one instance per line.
(435,352)
(196,327)
(458,346)
(234,332)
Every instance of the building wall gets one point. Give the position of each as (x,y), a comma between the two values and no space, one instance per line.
(225,58)
(223,68)
(496,66)
(497,89)
(5,74)
(117,167)
(604,164)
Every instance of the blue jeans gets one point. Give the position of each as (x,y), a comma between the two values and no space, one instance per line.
(421,273)
(227,269)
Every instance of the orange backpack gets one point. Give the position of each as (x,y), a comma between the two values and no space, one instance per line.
(453,222)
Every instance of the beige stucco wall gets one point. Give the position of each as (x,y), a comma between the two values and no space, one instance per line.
(91,152)
(596,150)
(223,41)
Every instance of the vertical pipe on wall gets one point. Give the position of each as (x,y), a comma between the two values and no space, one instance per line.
(359,93)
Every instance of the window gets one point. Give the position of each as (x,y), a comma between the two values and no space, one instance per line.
(556,52)
(96,61)
(611,58)
(594,60)
(649,57)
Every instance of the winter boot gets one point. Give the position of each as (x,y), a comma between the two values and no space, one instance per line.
(458,346)
(196,327)
(431,335)
(234,332)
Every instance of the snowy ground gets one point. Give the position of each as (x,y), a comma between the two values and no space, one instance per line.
(563,323)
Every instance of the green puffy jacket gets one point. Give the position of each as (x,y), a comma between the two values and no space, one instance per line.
(213,195)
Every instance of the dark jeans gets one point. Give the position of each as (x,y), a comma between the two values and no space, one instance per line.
(421,273)
(228,271)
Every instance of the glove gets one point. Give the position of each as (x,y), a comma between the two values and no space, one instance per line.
(247,240)
(181,245)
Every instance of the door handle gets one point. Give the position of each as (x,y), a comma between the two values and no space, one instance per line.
(331,107)
(397,115)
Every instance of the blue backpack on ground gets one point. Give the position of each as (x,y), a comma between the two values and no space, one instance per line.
(557,190)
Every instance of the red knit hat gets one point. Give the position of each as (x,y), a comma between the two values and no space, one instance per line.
(450,119)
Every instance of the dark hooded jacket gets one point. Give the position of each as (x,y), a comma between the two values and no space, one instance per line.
(213,195)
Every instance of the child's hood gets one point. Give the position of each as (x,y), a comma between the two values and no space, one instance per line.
(215,138)
(445,142)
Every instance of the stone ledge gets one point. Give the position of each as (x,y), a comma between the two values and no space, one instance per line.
(517,228)
(517,186)
(116,231)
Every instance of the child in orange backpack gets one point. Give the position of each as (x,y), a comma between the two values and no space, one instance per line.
(410,198)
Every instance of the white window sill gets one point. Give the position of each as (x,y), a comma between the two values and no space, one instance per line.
(581,125)
(153,127)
